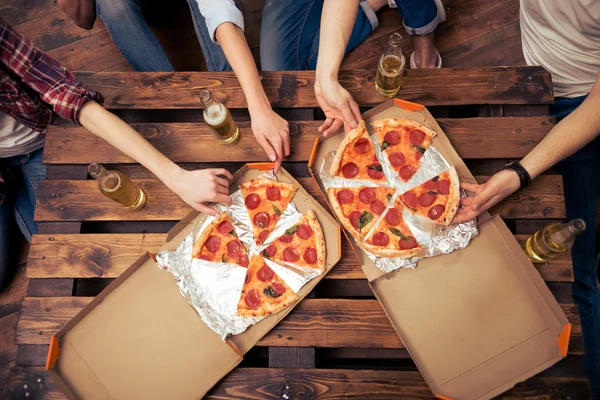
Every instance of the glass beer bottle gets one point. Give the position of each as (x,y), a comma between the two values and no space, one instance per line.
(219,120)
(117,186)
(549,242)
(390,68)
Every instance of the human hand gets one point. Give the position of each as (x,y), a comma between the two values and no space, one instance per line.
(338,105)
(273,134)
(499,187)
(201,186)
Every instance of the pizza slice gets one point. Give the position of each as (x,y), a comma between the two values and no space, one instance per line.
(264,292)
(219,243)
(436,199)
(358,208)
(391,237)
(302,244)
(265,200)
(355,157)
(403,142)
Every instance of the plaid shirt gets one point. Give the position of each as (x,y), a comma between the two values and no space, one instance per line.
(33,85)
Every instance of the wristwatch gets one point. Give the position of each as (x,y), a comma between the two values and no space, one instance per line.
(524,177)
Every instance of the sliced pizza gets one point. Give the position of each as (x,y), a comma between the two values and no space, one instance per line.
(437,199)
(219,243)
(302,244)
(265,200)
(392,237)
(264,292)
(403,142)
(358,208)
(355,157)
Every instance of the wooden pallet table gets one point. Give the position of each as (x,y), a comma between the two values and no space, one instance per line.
(337,343)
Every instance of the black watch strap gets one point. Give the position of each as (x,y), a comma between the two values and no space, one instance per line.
(524,176)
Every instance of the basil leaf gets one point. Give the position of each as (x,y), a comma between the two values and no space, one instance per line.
(261,224)
(364,219)
(435,178)
(269,291)
(398,233)
(292,230)
(223,259)
(277,210)
(389,196)
(420,149)
(385,144)
(376,167)
(432,192)
(232,233)
(265,254)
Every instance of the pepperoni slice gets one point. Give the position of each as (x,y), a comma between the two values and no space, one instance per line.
(234,248)
(243,260)
(350,170)
(377,207)
(381,239)
(213,243)
(252,299)
(262,219)
(418,155)
(286,238)
(310,255)
(416,137)
(410,199)
(397,159)
(362,145)
(392,137)
(252,201)
(290,254)
(271,250)
(265,274)
(367,195)
(407,172)
(429,185)
(436,211)
(262,236)
(224,227)
(426,199)
(205,257)
(374,172)
(354,218)
(409,243)
(443,187)
(273,193)
(345,196)
(304,231)
(278,288)
(393,217)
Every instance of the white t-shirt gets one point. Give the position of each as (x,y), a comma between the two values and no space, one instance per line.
(563,36)
(16,138)
(217,12)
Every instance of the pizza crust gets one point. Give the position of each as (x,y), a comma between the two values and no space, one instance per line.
(268,309)
(206,234)
(391,253)
(319,239)
(337,208)
(382,124)
(453,198)
(354,134)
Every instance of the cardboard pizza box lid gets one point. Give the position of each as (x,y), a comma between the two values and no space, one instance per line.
(140,338)
(478,320)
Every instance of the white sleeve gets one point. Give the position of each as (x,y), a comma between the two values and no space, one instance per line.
(216,12)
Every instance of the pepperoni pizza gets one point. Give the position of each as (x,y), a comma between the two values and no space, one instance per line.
(265,200)
(302,244)
(264,292)
(403,142)
(219,243)
(358,208)
(437,199)
(356,159)
(391,237)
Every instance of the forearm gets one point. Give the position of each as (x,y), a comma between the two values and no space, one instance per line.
(82,12)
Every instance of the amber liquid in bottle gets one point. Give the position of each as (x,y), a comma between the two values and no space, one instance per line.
(552,240)
(390,68)
(219,120)
(118,187)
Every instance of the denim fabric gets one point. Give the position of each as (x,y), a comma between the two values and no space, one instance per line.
(419,17)
(289,35)
(581,180)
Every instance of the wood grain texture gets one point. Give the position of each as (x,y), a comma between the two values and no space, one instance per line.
(289,89)
(312,323)
(193,142)
(108,255)
(64,200)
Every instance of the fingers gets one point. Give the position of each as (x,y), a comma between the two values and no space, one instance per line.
(222,190)
(355,109)
(221,182)
(223,199)
(325,125)
(334,128)
(482,197)
(277,144)
(222,171)
(348,114)
(267,148)
(286,143)
(206,209)
(471,187)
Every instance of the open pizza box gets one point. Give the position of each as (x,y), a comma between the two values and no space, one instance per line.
(141,339)
(476,321)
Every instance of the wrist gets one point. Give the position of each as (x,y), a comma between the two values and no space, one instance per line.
(521,173)
(258,104)
(170,174)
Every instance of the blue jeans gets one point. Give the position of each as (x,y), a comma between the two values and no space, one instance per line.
(581,180)
(19,205)
(419,17)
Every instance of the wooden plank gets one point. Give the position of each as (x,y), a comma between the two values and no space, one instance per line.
(445,86)
(50,287)
(312,323)
(15,12)
(193,142)
(292,357)
(63,200)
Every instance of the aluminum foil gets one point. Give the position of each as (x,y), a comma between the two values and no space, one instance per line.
(435,239)
(214,289)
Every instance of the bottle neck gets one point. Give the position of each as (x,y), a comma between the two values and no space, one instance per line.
(98,172)
(576,226)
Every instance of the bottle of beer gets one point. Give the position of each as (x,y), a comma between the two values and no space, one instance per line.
(117,186)
(552,240)
(218,118)
(390,68)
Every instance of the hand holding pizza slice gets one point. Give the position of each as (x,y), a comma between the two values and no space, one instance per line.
(219,243)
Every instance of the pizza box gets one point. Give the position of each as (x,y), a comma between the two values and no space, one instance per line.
(139,338)
(476,321)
